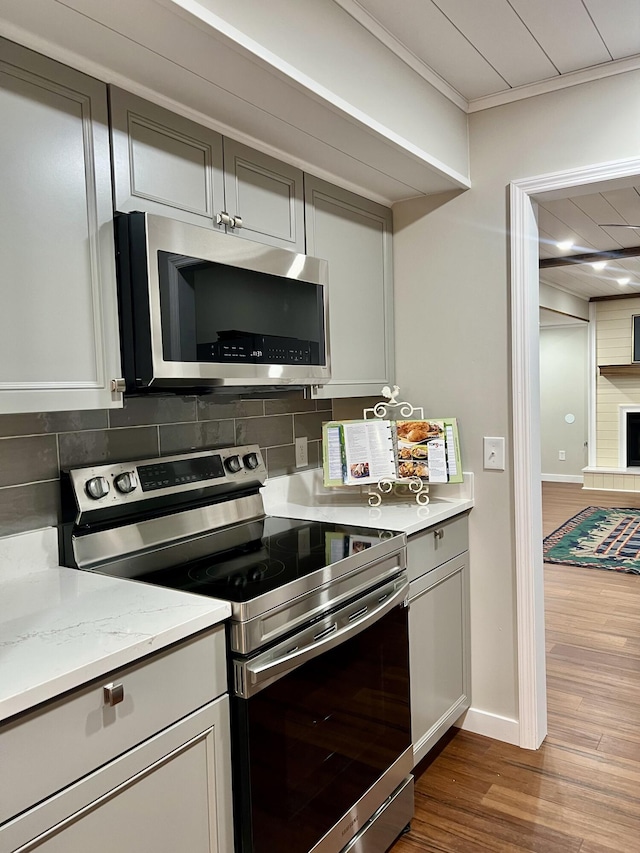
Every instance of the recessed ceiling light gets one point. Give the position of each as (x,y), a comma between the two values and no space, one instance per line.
(565,245)
(599,265)
(623,281)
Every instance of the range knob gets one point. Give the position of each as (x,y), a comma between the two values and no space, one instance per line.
(96,488)
(251,461)
(126,482)
(233,464)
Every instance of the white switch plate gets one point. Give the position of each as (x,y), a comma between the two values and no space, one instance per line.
(494,453)
(302,452)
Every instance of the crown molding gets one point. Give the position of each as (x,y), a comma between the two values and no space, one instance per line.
(554,84)
(497,99)
(359,14)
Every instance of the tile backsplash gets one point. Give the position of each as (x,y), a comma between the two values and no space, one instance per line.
(35,447)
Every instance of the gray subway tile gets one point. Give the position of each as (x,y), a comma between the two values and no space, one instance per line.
(282,460)
(37,423)
(267,432)
(310,425)
(211,409)
(88,448)
(31,507)
(284,405)
(27,460)
(180,438)
(168,409)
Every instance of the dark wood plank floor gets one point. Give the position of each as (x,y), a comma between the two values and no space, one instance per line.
(580,792)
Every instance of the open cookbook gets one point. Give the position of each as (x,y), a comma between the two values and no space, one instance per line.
(366,451)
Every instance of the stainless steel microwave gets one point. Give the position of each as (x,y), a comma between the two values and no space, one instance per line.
(199,309)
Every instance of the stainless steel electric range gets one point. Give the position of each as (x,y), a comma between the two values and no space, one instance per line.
(318,638)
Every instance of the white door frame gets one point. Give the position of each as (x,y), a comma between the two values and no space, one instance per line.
(526,426)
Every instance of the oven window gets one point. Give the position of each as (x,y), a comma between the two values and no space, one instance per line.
(216,313)
(309,745)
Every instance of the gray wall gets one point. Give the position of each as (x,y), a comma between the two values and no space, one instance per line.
(564,378)
(453,340)
(34,447)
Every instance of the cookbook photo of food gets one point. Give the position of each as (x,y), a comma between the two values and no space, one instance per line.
(429,449)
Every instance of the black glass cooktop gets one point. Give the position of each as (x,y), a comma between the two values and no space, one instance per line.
(287,550)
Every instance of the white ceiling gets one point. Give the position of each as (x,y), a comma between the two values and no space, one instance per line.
(580,219)
(481,53)
(484,49)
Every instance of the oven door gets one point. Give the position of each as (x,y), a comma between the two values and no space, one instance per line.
(322,734)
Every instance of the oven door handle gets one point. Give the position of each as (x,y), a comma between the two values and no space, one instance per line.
(254,675)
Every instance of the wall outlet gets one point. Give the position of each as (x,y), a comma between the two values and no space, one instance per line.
(302,452)
(562,455)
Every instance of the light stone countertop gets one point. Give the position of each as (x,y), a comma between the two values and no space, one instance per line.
(304,496)
(61,628)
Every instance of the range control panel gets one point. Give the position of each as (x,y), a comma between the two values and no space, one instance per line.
(123,483)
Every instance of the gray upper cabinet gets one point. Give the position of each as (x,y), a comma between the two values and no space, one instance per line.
(266,194)
(59,322)
(354,235)
(166,164)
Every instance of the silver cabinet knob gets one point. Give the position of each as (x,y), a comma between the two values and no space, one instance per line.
(223,218)
(113,694)
(439,534)
(97,487)
(236,222)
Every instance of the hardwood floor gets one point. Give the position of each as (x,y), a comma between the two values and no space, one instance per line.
(580,792)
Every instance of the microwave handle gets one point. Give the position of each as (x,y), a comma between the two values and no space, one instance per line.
(253,676)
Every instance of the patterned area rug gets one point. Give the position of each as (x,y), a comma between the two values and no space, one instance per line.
(598,538)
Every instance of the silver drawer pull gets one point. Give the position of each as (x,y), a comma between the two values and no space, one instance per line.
(358,614)
(439,534)
(113,694)
(236,222)
(326,632)
(223,218)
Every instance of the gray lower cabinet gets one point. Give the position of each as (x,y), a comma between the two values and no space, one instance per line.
(166,164)
(439,640)
(59,345)
(152,772)
(355,236)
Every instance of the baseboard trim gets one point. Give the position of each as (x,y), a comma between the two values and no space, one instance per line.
(490,725)
(562,478)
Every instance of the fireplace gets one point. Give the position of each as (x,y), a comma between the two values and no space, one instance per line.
(633,440)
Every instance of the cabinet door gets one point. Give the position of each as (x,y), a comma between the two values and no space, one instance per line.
(354,236)
(59,321)
(171,793)
(439,652)
(267,194)
(164,163)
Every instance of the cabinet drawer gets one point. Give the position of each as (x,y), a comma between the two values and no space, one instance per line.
(436,545)
(69,737)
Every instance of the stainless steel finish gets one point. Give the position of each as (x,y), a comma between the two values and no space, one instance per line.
(112,694)
(112,471)
(223,218)
(161,542)
(118,385)
(126,482)
(237,222)
(367,806)
(180,238)
(96,488)
(256,674)
(386,824)
(327,588)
